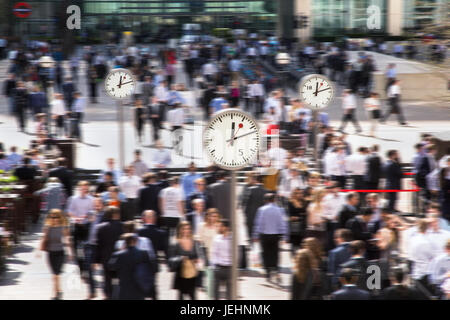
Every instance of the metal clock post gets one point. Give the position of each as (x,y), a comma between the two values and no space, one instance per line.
(246,123)
(119,90)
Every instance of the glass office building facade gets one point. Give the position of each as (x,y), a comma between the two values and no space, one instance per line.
(341,17)
(152,16)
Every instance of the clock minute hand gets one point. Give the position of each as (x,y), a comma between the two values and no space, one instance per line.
(127,82)
(243,135)
(120,82)
(324,89)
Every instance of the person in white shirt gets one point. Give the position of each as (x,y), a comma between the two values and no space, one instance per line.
(130,184)
(439,268)
(393,93)
(209,70)
(420,252)
(336,166)
(372,105)
(291,179)
(435,233)
(197,216)
(356,167)
(332,203)
(171,205)
(276,155)
(162,92)
(176,119)
(349,105)
(256,93)
(221,259)
(58,112)
(161,157)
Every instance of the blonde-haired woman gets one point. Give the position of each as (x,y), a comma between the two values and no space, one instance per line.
(315,221)
(209,230)
(56,235)
(303,275)
(184,257)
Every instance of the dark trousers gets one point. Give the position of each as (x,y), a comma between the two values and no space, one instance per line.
(392,199)
(89,253)
(222,275)
(340,180)
(79,235)
(108,275)
(394,107)
(349,116)
(21,118)
(170,225)
(156,122)
(270,251)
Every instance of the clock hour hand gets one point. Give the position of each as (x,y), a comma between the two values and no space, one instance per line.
(232,132)
(317,88)
(243,135)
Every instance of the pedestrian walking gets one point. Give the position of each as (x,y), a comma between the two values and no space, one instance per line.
(349,104)
(372,105)
(394,92)
(55,237)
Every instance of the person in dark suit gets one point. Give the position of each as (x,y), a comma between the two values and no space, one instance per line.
(374,169)
(107,235)
(427,163)
(64,175)
(348,210)
(399,291)
(156,114)
(148,195)
(26,171)
(124,263)
(361,230)
(200,193)
(357,262)
(393,173)
(220,195)
(340,254)
(253,199)
(208,95)
(349,289)
(68,89)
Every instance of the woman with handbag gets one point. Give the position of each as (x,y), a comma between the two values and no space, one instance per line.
(56,235)
(297,217)
(184,261)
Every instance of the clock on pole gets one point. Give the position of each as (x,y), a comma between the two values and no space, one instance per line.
(231,139)
(120,84)
(316,92)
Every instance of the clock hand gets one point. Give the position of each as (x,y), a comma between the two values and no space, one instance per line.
(127,82)
(317,88)
(243,135)
(120,82)
(232,132)
(323,89)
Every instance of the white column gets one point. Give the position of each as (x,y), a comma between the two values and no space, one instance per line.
(395,17)
(304,8)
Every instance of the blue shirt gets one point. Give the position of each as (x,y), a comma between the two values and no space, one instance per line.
(14,159)
(187,181)
(391,73)
(216,103)
(106,197)
(235,65)
(116,176)
(270,219)
(175,96)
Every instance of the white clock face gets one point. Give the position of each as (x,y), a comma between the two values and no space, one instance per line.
(316,91)
(120,83)
(232,139)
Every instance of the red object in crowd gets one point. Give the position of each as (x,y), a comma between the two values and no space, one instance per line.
(171,57)
(273,129)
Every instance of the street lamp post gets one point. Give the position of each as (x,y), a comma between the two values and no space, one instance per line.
(283,59)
